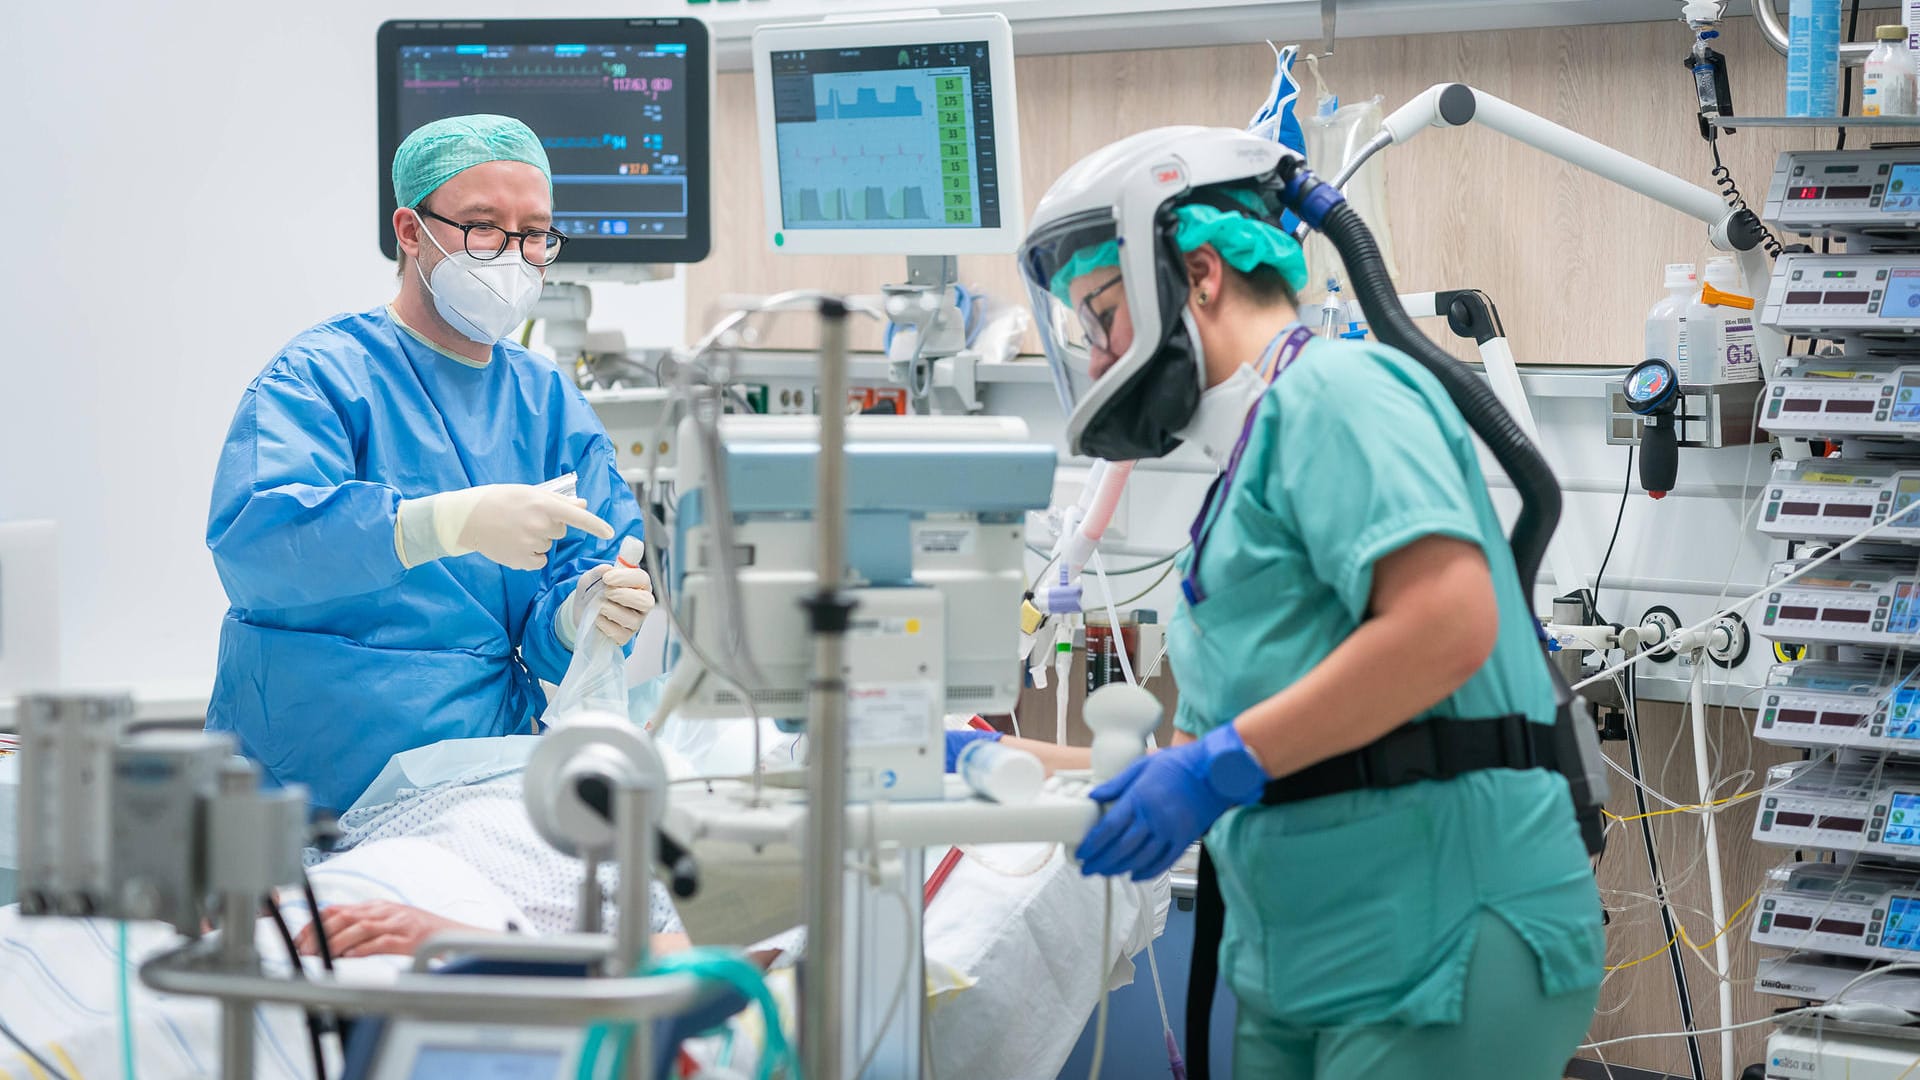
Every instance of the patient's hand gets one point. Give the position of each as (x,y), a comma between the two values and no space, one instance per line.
(376,928)
(384,928)
(1054,757)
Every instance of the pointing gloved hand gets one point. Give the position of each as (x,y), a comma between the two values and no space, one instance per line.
(515,525)
(1166,801)
(623,606)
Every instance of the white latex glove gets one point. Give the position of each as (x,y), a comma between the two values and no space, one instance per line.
(515,525)
(623,606)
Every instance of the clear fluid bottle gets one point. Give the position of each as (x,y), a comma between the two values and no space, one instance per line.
(1888,88)
(1667,319)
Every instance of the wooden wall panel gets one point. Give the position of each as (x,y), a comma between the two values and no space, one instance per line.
(1572,261)
(1641,998)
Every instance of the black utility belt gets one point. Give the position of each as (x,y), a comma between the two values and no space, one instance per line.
(1437,748)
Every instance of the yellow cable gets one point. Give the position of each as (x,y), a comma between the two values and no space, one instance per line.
(1681,809)
(1682,936)
(34,1070)
(65,1062)
(1731,919)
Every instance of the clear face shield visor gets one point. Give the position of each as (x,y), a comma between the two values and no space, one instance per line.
(1073,280)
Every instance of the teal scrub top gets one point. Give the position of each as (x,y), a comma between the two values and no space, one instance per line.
(1360,907)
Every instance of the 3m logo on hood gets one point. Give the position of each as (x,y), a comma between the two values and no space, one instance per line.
(1170,174)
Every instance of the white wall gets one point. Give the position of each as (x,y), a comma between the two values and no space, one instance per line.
(187,188)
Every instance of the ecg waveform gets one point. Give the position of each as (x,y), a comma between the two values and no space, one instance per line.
(606,75)
(898,154)
(499,84)
(443,71)
(868,106)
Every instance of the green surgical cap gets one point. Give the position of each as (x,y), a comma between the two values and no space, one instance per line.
(1242,242)
(435,153)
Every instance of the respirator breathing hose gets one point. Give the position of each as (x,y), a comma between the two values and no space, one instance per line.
(1323,207)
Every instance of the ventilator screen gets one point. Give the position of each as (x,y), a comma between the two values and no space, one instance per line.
(886,137)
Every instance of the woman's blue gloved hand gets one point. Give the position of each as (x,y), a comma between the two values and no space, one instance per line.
(1166,801)
(958,740)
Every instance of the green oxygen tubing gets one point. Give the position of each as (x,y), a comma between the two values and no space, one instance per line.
(725,966)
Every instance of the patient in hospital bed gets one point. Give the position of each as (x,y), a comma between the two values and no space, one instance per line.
(476,815)
(442,841)
(464,797)
(1009,929)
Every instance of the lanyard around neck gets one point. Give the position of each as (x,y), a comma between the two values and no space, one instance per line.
(1278,356)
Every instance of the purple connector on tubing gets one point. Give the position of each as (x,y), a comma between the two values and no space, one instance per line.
(1058,599)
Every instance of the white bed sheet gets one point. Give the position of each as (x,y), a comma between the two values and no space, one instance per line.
(59,989)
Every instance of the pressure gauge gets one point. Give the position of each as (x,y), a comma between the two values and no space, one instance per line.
(1651,387)
(1653,390)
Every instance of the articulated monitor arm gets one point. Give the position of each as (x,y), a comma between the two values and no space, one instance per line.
(1738,232)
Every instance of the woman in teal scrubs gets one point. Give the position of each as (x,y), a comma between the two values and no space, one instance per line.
(1349,582)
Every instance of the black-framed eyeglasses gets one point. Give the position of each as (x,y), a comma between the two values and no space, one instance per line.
(1098,324)
(538,246)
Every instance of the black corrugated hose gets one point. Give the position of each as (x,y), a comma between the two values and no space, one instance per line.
(1323,207)
(1531,476)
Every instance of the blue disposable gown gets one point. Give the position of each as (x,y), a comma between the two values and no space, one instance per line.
(334,656)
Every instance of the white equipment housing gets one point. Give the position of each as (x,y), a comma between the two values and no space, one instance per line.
(936,531)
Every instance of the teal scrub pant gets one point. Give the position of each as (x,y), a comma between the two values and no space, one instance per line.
(1509,1029)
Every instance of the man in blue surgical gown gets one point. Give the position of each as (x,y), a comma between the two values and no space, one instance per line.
(397,574)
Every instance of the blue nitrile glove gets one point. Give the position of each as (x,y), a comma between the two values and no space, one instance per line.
(958,740)
(1165,801)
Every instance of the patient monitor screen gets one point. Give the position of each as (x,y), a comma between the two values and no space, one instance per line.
(466,1063)
(613,119)
(886,137)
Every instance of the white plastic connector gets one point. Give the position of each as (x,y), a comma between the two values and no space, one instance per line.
(1723,641)
(1598,637)
(1689,641)
(1865,1012)
(1121,716)
(1701,14)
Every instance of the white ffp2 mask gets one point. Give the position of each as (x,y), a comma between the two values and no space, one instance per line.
(1222,414)
(484,299)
